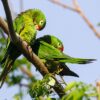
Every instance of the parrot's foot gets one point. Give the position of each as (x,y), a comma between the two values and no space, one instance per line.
(59,70)
(53,73)
(63,81)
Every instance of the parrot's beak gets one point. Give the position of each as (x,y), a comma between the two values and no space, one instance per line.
(37,27)
(61,49)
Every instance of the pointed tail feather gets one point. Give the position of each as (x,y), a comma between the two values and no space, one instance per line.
(77,60)
(84,61)
(7,68)
(66,71)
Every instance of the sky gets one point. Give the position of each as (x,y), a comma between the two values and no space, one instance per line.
(78,39)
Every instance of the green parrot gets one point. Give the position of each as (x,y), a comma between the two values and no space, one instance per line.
(49,50)
(25,25)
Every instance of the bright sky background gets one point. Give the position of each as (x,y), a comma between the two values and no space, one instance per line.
(78,38)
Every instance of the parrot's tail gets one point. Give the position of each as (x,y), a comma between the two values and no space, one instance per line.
(7,67)
(77,60)
(83,61)
(66,71)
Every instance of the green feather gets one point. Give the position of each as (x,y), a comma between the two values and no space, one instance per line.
(48,52)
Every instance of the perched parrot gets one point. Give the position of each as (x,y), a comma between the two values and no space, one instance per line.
(25,25)
(49,50)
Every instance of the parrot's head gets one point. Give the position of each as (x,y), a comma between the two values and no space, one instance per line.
(57,43)
(54,41)
(39,19)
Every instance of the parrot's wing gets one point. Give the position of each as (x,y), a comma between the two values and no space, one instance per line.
(47,51)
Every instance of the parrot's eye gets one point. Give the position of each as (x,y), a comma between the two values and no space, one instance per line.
(41,22)
(59,45)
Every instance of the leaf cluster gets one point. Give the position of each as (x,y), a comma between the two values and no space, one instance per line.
(40,88)
(80,91)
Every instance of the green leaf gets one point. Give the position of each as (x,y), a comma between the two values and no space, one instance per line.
(70,86)
(79,90)
(18,96)
(40,87)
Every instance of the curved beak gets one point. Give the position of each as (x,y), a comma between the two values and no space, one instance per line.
(37,27)
(61,49)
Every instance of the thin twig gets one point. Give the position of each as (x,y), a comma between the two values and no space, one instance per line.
(57,2)
(27,72)
(9,20)
(63,80)
(4,26)
(81,13)
(24,85)
(2,33)
(77,8)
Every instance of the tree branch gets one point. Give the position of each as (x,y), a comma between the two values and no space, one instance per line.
(27,72)
(26,50)
(4,26)
(77,8)
(57,2)
(23,85)
(9,20)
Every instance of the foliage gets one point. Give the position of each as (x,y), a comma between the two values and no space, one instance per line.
(79,91)
(74,90)
(40,87)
